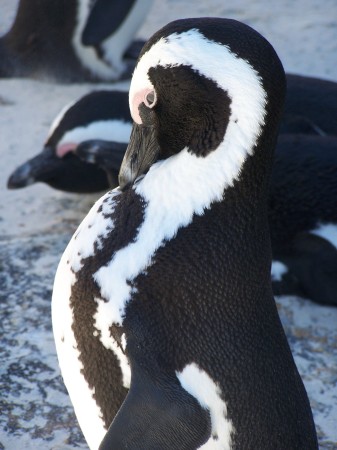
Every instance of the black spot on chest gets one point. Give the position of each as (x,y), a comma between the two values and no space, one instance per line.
(100,366)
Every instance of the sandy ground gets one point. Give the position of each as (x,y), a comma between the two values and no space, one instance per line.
(37,222)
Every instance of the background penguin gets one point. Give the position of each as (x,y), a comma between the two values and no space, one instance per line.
(71,40)
(169,277)
(76,158)
(103,114)
(303,216)
(311,105)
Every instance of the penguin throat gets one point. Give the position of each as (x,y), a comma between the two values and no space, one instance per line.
(186,184)
(173,190)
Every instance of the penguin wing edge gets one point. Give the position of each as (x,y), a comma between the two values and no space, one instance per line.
(157,413)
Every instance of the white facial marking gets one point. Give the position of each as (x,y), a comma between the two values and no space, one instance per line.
(199,384)
(141,97)
(278,269)
(113,47)
(328,232)
(56,122)
(234,75)
(93,228)
(108,130)
(183,185)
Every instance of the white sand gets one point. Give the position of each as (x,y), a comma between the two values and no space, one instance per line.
(36,223)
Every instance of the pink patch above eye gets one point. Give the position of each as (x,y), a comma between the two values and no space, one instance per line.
(65,148)
(138,98)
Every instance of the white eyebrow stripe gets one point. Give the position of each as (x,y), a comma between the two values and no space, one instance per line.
(235,76)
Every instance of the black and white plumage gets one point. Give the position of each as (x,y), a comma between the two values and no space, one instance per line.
(87,141)
(96,129)
(163,298)
(100,114)
(71,40)
(310,105)
(303,217)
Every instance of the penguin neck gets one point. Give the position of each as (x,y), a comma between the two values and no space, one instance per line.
(174,194)
(185,184)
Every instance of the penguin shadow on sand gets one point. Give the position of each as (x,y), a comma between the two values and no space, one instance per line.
(87,142)
(73,40)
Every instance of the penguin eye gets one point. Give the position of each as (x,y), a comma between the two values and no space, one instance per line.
(150,99)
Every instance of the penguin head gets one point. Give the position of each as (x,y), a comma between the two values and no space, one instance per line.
(97,115)
(209,91)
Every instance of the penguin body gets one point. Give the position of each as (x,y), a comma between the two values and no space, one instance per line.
(162,306)
(49,40)
(303,186)
(310,106)
(87,142)
(303,217)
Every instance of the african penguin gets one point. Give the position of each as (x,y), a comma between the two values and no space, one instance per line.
(71,41)
(309,108)
(303,217)
(301,212)
(100,114)
(164,320)
(96,130)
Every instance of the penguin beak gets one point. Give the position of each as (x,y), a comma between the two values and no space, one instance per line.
(66,174)
(142,152)
(33,170)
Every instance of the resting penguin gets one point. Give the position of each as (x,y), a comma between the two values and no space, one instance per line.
(71,40)
(102,113)
(302,199)
(310,107)
(301,212)
(303,217)
(309,110)
(164,320)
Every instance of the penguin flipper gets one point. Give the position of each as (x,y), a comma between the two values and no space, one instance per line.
(104,19)
(107,155)
(157,413)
